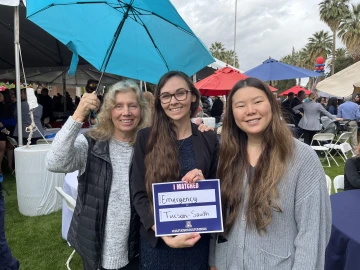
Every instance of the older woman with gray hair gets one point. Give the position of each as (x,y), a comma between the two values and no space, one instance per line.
(104,228)
(310,121)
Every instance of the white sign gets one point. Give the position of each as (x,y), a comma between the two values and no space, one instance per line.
(187,197)
(187,213)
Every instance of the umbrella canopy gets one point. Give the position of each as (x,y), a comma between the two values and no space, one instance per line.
(221,82)
(342,83)
(140,39)
(295,90)
(53,76)
(273,70)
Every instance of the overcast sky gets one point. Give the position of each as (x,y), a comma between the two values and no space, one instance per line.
(264,27)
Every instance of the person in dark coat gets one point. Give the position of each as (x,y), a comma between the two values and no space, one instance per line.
(172,149)
(45,100)
(287,111)
(297,101)
(217,109)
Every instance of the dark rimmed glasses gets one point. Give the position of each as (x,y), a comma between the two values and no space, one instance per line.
(180,95)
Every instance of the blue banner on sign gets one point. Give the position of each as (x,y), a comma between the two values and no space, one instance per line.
(185,208)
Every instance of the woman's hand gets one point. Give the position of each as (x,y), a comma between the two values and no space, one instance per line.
(302,114)
(193,176)
(204,128)
(339,119)
(182,240)
(88,102)
(213,268)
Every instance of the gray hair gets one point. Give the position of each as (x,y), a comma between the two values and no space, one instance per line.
(105,129)
(348,98)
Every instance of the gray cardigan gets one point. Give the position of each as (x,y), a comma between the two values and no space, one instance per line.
(311,118)
(297,237)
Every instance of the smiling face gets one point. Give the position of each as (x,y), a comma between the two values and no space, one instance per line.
(126,114)
(252,111)
(177,110)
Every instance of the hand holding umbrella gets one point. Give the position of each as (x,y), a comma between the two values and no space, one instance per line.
(88,102)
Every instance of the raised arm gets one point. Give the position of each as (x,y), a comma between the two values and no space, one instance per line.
(68,151)
(297,108)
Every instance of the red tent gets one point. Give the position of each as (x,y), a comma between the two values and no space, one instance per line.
(295,90)
(221,82)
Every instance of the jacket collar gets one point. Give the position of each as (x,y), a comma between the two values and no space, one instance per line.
(101,150)
(194,129)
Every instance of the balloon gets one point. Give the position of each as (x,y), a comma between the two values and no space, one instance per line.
(320,60)
(322,68)
(317,68)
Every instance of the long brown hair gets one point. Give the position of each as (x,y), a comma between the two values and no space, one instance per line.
(161,157)
(234,164)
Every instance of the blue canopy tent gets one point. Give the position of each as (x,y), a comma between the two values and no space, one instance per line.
(273,70)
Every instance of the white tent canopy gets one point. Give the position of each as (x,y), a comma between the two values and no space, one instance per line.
(13,3)
(342,83)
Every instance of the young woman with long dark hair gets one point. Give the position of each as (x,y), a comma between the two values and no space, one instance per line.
(172,149)
(275,204)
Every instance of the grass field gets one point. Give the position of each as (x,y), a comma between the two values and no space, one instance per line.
(36,241)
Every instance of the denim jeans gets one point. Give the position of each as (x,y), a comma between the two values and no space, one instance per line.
(7,261)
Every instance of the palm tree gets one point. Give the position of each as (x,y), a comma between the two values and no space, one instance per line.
(217,50)
(331,12)
(228,58)
(341,53)
(350,32)
(320,44)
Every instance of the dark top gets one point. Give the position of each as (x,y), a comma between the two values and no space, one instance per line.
(352,173)
(332,110)
(287,111)
(206,147)
(296,101)
(46,102)
(217,107)
(186,156)
(164,257)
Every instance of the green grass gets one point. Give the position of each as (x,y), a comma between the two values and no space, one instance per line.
(36,241)
(334,170)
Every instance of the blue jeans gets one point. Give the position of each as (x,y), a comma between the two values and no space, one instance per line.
(7,261)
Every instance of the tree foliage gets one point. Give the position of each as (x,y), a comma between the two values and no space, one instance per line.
(218,50)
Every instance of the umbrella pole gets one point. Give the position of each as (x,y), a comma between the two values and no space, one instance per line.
(112,45)
(17,75)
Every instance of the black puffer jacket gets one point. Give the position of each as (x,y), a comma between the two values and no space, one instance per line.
(86,232)
(206,105)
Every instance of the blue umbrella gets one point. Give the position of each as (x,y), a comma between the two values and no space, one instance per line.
(273,70)
(140,39)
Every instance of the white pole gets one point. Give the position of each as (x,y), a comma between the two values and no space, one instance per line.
(17,75)
(235,32)
(145,86)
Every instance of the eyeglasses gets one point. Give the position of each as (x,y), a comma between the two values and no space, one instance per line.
(180,95)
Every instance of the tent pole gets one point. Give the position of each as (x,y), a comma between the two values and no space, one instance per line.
(64,88)
(17,75)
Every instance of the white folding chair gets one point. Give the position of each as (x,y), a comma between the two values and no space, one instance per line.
(320,137)
(338,183)
(70,204)
(345,148)
(340,144)
(328,183)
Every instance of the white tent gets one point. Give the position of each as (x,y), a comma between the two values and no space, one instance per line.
(342,83)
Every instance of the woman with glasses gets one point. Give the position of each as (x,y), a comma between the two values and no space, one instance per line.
(172,149)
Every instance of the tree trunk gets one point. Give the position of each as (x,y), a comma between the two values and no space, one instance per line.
(333,54)
(299,83)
